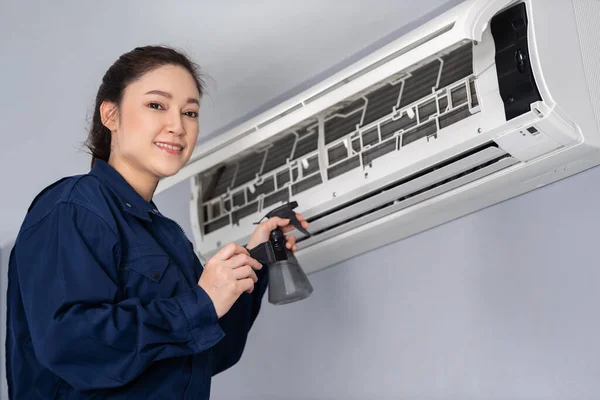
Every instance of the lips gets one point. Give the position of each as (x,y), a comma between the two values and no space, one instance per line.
(171,148)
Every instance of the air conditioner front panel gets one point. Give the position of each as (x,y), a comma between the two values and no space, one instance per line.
(566,61)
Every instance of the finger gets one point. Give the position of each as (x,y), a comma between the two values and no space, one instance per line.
(291,240)
(290,228)
(303,221)
(245,272)
(243,259)
(275,222)
(245,285)
(228,251)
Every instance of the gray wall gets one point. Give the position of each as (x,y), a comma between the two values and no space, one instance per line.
(4,254)
(175,203)
(3,321)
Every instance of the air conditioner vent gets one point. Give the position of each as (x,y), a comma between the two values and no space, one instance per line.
(406,191)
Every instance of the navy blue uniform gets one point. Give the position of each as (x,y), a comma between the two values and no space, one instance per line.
(103,300)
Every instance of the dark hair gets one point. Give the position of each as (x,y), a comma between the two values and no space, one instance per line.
(127,69)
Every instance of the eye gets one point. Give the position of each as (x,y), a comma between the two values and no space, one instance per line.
(191,114)
(156,106)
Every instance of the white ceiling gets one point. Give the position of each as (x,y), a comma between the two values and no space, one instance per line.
(55,53)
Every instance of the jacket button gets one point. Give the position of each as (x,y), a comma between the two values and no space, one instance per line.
(155,274)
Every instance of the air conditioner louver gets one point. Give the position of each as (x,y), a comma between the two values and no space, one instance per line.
(403,193)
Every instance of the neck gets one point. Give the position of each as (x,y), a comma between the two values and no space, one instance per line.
(142,182)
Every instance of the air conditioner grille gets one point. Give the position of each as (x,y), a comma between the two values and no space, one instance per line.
(346,120)
(411,105)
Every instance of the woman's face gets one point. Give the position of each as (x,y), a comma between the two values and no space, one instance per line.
(156,127)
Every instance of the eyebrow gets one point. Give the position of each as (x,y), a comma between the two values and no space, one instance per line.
(170,96)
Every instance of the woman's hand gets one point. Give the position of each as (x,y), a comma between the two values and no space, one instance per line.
(227,275)
(263,230)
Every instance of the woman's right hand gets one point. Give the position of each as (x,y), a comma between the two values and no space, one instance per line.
(227,275)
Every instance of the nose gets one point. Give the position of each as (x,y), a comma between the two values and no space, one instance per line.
(176,124)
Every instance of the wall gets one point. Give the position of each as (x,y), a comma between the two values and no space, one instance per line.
(175,203)
(4,254)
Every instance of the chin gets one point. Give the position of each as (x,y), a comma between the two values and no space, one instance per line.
(164,171)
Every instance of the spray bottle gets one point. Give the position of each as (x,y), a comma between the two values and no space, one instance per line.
(287,280)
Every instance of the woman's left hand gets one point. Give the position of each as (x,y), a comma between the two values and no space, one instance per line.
(263,230)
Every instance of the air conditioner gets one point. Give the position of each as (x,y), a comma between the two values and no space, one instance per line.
(492,99)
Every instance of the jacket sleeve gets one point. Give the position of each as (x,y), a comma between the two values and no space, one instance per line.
(237,323)
(67,270)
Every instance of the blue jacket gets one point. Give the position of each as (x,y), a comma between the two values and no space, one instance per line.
(103,300)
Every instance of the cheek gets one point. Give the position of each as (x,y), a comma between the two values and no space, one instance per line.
(140,129)
(191,130)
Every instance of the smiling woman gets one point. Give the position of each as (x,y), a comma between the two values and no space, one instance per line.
(142,121)
(106,297)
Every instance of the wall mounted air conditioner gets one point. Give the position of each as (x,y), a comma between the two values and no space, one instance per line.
(487,101)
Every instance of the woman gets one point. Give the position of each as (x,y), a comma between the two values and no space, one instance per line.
(106,297)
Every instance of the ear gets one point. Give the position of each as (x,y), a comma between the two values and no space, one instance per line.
(108,115)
